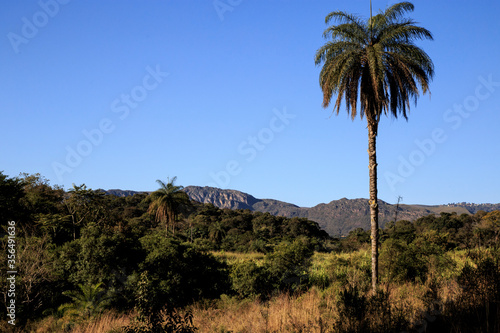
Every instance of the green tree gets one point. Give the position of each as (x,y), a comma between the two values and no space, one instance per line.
(177,274)
(11,193)
(40,197)
(101,255)
(489,227)
(289,263)
(84,205)
(167,202)
(44,204)
(404,230)
(377,62)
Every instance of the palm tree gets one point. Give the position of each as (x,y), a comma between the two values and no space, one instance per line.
(216,231)
(88,300)
(377,62)
(167,202)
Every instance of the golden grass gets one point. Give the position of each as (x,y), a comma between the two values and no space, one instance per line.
(234,257)
(283,313)
(105,323)
(315,311)
(409,297)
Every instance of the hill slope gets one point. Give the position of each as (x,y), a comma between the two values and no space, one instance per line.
(337,217)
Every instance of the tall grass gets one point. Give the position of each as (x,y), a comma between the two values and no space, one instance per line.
(343,269)
(340,300)
(234,257)
(314,311)
(108,322)
(283,313)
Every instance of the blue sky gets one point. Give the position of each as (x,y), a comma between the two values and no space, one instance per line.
(225,93)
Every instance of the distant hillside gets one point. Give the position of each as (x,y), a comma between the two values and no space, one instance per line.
(221,198)
(337,217)
(122,193)
(341,216)
(474,208)
(233,199)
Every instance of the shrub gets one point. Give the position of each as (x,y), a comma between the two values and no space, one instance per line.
(177,273)
(249,280)
(478,306)
(402,262)
(361,313)
(289,264)
(414,261)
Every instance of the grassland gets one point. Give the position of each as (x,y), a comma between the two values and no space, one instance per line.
(335,280)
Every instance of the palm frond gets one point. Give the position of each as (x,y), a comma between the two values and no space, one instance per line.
(398,10)
(375,62)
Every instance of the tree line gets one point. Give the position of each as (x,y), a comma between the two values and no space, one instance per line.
(117,252)
(81,251)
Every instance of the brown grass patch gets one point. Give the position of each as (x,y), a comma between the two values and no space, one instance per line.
(283,313)
(105,323)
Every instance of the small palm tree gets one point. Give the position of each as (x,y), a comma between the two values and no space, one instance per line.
(167,202)
(216,232)
(377,64)
(88,300)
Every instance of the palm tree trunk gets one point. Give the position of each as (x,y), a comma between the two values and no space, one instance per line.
(191,230)
(74,226)
(372,156)
(173,224)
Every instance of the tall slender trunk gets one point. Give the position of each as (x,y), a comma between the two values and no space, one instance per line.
(172,220)
(372,156)
(191,230)
(74,226)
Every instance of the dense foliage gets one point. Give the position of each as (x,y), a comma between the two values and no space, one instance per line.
(81,252)
(115,253)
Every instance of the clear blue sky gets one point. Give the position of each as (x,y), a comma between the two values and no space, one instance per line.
(119,94)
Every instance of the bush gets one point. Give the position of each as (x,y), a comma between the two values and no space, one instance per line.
(402,262)
(101,256)
(178,274)
(361,313)
(289,264)
(250,280)
(415,261)
(477,309)
(353,270)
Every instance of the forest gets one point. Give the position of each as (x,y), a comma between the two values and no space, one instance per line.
(159,262)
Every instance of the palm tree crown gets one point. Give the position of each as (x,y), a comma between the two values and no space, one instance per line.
(168,201)
(375,61)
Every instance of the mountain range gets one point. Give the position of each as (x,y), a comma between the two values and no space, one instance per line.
(337,217)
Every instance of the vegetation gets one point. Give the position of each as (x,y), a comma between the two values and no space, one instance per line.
(377,62)
(167,202)
(90,262)
(81,253)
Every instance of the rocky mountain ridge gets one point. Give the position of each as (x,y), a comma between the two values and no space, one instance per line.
(337,217)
